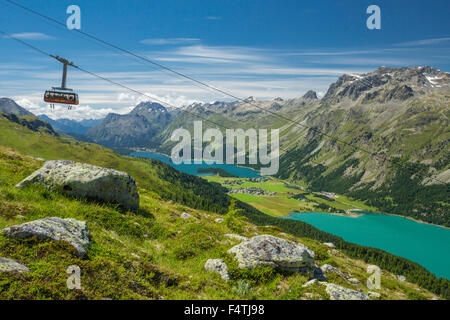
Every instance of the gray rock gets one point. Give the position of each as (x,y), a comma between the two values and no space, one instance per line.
(8,265)
(219,220)
(330,269)
(326,268)
(401,278)
(310,283)
(235,236)
(353,281)
(186,215)
(266,250)
(37,158)
(341,293)
(329,244)
(83,180)
(73,231)
(217,266)
(374,295)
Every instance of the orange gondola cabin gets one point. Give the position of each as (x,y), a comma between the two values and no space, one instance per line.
(62,95)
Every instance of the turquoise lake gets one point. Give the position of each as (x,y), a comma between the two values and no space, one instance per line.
(192,168)
(425,244)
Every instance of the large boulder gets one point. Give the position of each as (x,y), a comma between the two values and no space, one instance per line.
(337,292)
(217,266)
(266,250)
(83,180)
(71,230)
(8,265)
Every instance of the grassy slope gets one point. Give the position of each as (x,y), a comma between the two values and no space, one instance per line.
(147,255)
(149,174)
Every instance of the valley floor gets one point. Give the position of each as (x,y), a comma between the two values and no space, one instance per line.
(286,198)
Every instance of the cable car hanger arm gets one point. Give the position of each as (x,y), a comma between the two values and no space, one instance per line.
(65,63)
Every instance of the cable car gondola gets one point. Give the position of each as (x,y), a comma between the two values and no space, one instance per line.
(62,94)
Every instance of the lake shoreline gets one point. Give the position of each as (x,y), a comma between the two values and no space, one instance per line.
(257,172)
(413,219)
(356,215)
(352,215)
(422,243)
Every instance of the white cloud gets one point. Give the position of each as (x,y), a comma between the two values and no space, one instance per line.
(367,61)
(240,70)
(30,36)
(213,18)
(124,97)
(224,53)
(164,41)
(168,100)
(425,42)
(79,112)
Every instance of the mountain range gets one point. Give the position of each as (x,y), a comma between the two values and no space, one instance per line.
(135,129)
(71,126)
(382,137)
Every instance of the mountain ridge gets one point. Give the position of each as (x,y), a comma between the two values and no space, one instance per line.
(135,129)
(338,143)
(70,126)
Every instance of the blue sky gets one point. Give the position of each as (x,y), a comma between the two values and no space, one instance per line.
(257,48)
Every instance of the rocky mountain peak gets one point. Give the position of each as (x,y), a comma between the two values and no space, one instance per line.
(111,117)
(147,106)
(386,84)
(312,95)
(10,106)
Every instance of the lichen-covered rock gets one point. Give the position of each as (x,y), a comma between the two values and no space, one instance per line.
(83,180)
(217,266)
(374,295)
(8,265)
(266,250)
(219,220)
(235,236)
(71,230)
(337,292)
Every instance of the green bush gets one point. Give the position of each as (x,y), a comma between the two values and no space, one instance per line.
(258,275)
(234,218)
